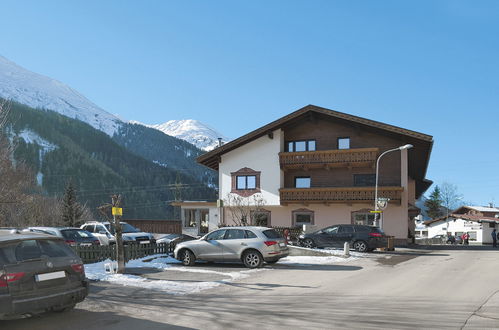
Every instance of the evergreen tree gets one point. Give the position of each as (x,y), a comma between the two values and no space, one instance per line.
(72,211)
(434,204)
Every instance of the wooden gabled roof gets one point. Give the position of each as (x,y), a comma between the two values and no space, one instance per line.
(424,142)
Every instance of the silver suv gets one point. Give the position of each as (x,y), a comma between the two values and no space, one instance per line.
(105,233)
(251,245)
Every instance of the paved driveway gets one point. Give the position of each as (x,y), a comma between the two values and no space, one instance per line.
(441,289)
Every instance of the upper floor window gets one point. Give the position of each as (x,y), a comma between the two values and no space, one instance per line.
(344,143)
(303,145)
(302,182)
(245,182)
(364,180)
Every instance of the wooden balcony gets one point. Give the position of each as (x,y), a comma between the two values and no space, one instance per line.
(338,195)
(329,158)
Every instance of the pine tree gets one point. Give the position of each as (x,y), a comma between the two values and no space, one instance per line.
(72,211)
(434,204)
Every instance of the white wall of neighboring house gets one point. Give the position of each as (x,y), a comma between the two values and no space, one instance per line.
(482,231)
(261,155)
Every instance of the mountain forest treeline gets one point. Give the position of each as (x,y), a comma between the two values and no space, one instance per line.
(98,166)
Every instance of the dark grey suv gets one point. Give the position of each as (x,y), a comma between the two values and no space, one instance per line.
(38,273)
(362,238)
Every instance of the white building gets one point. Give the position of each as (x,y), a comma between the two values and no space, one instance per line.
(477,221)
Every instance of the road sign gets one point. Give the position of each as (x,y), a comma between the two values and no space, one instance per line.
(117,211)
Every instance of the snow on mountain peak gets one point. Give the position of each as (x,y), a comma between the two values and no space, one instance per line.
(192,131)
(38,91)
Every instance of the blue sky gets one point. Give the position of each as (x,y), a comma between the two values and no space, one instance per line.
(429,66)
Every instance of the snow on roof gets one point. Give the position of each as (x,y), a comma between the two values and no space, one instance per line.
(484,208)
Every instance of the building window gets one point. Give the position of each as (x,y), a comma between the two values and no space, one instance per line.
(303,145)
(302,182)
(364,180)
(303,217)
(363,217)
(344,143)
(492,225)
(260,218)
(245,182)
(190,218)
(205,220)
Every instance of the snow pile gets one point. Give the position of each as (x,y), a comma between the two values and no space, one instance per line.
(308,260)
(97,272)
(41,92)
(192,131)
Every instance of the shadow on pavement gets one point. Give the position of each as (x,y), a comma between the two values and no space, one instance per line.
(83,319)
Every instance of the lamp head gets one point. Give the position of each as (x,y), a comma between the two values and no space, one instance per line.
(407,146)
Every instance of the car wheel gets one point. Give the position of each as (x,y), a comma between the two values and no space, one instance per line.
(360,246)
(308,243)
(188,258)
(252,259)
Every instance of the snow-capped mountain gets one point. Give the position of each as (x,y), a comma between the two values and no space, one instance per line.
(192,131)
(41,92)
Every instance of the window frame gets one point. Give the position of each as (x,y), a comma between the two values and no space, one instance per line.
(343,138)
(307,145)
(298,212)
(245,172)
(303,177)
(184,218)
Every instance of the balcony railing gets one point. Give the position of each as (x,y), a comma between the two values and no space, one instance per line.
(328,158)
(338,195)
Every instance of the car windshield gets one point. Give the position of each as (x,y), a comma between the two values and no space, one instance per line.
(125,227)
(271,233)
(32,250)
(75,234)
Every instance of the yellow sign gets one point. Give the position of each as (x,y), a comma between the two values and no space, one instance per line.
(117,211)
(376,211)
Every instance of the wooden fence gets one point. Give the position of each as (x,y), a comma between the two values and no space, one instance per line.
(96,253)
(157,226)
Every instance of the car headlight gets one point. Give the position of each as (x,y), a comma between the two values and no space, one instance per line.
(301,236)
(127,238)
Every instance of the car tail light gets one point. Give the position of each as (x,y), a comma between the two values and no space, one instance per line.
(79,268)
(375,235)
(270,243)
(9,277)
(71,242)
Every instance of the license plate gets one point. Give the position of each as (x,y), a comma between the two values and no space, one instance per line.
(145,242)
(85,244)
(50,276)
(282,244)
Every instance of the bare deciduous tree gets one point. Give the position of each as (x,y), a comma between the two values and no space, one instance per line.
(450,196)
(242,209)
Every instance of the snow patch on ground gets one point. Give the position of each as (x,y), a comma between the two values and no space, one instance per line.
(97,272)
(308,260)
(31,137)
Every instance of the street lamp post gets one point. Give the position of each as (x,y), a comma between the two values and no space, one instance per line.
(407,146)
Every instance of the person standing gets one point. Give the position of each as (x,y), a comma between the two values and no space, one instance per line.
(494,238)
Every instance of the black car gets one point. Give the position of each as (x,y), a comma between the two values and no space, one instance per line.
(38,273)
(174,239)
(362,238)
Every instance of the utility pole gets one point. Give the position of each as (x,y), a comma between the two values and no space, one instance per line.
(178,196)
(120,251)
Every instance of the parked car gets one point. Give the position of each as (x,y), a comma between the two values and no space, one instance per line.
(38,273)
(174,239)
(251,245)
(105,233)
(72,236)
(361,237)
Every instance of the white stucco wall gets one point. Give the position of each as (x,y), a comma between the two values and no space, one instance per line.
(483,231)
(261,155)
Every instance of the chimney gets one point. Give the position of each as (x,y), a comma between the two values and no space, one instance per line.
(220,143)
(491,205)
